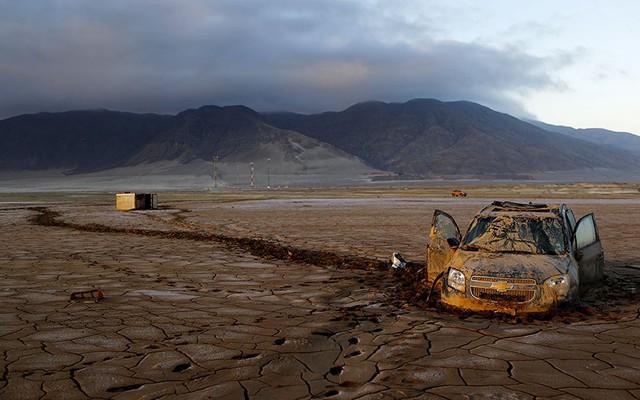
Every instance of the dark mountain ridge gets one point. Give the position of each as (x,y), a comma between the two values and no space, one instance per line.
(234,134)
(419,137)
(211,130)
(426,136)
(618,140)
(80,141)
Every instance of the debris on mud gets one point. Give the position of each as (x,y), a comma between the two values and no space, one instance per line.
(408,285)
(94,295)
(256,247)
(397,261)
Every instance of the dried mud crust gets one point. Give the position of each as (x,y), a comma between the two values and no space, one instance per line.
(608,300)
(256,247)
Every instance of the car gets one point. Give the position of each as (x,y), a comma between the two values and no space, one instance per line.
(514,258)
(458,193)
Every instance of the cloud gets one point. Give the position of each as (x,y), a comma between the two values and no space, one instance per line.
(165,56)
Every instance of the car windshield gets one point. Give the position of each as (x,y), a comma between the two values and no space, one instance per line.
(515,234)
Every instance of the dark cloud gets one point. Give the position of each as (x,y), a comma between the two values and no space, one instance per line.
(165,56)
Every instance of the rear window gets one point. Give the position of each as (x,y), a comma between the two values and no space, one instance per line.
(516,234)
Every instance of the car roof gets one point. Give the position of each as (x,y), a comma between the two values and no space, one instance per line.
(502,207)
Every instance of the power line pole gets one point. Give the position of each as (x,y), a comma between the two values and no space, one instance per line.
(268,173)
(251,175)
(215,171)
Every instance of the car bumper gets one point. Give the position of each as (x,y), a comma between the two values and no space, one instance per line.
(507,299)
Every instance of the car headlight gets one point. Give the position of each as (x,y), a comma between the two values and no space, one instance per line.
(560,284)
(455,279)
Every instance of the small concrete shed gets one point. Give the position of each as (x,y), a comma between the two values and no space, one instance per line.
(136,201)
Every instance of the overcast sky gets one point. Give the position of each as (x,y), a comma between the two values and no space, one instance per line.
(565,62)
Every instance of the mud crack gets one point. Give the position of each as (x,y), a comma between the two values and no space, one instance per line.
(406,286)
(256,247)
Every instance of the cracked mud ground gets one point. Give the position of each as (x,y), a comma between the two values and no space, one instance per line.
(288,300)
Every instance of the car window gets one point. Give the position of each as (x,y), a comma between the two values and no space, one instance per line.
(445,227)
(572,220)
(516,234)
(586,232)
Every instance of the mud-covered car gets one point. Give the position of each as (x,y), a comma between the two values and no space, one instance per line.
(515,258)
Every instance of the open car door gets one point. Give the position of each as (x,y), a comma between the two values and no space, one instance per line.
(439,251)
(588,250)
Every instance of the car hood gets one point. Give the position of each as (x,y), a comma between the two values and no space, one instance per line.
(510,265)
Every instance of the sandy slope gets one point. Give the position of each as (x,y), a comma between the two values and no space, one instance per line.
(197,175)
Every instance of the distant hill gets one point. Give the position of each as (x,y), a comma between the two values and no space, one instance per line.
(239,135)
(79,141)
(426,136)
(619,140)
(90,141)
(422,137)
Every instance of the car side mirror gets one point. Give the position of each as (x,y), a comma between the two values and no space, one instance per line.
(579,254)
(453,243)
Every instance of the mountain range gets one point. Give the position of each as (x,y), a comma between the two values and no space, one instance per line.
(430,137)
(419,138)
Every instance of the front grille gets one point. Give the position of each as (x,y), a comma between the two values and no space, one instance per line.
(503,289)
(519,296)
(493,279)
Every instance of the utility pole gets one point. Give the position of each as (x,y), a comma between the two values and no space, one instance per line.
(268,173)
(251,175)
(215,171)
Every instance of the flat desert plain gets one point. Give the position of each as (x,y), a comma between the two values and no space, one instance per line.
(288,295)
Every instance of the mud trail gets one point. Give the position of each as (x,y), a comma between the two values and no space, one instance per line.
(410,285)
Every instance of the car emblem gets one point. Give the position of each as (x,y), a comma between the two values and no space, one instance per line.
(502,286)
